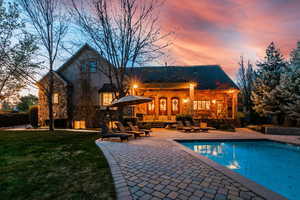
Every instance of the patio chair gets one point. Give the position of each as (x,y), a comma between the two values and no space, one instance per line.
(136,128)
(105,133)
(189,124)
(203,127)
(123,129)
(180,126)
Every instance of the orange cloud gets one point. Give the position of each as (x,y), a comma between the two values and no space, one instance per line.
(220,31)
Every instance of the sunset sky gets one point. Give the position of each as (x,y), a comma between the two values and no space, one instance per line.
(220,31)
(208,32)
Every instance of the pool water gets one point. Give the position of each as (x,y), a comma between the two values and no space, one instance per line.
(274,165)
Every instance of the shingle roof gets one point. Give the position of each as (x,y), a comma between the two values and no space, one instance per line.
(107,87)
(206,76)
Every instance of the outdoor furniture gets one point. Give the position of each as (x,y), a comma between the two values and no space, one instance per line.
(105,133)
(203,127)
(189,124)
(136,128)
(123,129)
(180,126)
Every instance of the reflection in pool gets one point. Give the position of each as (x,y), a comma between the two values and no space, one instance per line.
(271,164)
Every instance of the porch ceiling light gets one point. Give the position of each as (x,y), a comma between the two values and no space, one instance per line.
(185,100)
(135,86)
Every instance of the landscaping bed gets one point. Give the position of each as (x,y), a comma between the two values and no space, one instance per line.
(60,165)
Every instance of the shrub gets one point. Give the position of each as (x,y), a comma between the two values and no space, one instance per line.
(133,120)
(13,119)
(184,117)
(33,116)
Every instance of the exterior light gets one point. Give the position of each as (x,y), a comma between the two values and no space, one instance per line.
(135,86)
(185,100)
(192,84)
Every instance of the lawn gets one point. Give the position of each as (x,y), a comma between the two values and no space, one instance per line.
(61,165)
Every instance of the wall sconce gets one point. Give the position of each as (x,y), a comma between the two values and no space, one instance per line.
(213,101)
(185,100)
(192,85)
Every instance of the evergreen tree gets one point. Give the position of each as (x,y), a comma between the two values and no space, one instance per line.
(265,96)
(26,102)
(289,87)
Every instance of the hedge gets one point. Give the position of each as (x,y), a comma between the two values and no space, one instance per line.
(13,119)
(33,116)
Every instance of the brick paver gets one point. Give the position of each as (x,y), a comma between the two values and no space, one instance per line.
(155,168)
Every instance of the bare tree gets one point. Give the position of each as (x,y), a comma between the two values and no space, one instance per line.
(245,79)
(50,26)
(125,32)
(17,49)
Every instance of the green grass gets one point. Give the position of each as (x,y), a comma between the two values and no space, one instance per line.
(61,165)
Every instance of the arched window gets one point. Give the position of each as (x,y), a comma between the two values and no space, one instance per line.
(175,105)
(151,107)
(163,106)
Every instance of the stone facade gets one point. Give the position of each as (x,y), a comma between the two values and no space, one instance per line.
(222,103)
(80,89)
(61,110)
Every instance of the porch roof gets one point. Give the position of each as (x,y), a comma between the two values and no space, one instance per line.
(206,76)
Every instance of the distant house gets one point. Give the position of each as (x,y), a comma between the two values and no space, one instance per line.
(82,92)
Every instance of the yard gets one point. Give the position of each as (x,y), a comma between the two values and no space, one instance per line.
(63,165)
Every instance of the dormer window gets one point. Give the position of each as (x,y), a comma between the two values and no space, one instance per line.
(93,66)
(90,66)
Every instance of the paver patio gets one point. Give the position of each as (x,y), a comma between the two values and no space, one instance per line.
(156,168)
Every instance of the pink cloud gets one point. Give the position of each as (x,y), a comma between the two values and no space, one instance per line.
(219,32)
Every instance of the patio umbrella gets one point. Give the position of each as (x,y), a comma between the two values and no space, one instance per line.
(130,100)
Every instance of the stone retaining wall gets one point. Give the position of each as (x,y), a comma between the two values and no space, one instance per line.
(282,131)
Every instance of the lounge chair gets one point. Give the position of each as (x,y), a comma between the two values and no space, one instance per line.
(136,128)
(181,126)
(123,129)
(189,124)
(105,133)
(203,127)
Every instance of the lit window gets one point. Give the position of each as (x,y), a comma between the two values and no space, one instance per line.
(201,105)
(93,66)
(163,106)
(55,98)
(175,105)
(151,107)
(219,107)
(107,98)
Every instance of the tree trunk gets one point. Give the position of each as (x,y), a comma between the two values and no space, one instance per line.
(50,100)
(121,114)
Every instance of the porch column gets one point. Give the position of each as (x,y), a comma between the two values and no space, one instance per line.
(234,105)
(169,107)
(192,97)
(156,103)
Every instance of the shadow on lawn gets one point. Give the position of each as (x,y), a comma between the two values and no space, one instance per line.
(63,165)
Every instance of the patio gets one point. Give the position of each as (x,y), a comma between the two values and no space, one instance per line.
(157,168)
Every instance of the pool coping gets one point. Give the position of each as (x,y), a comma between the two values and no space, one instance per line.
(120,184)
(253,186)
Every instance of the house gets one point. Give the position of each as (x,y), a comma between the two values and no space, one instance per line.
(82,92)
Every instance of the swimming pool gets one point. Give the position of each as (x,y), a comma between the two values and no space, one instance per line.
(274,165)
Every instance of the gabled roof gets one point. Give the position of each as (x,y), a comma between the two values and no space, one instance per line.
(75,55)
(206,76)
(59,77)
(107,87)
